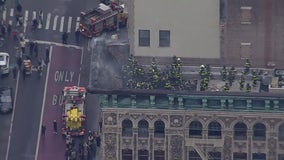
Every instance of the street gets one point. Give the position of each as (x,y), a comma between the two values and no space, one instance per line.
(19,134)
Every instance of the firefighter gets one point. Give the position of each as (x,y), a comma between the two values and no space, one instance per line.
(168,85)
(248,87)
(242,82)
(254,80)
(202,72)
(226,87)
(224,73)
(247,66)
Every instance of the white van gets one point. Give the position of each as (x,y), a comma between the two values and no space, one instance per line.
(4,62)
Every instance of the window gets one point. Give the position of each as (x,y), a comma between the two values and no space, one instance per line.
(143,155)
(281,132)
(143,126)
(215,155)
(164,38)
(246,50)
(246,15)
(240,156)
(258,156)
(193,155)
(195,129)
(222,9)
(126,127)
(159,130)
(127,154)
(214,129)
(259,131)
(240,131)
(144,38)
(159,155)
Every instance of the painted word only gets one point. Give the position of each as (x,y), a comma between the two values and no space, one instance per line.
(63,76)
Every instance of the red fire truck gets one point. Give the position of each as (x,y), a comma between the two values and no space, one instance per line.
(103,18)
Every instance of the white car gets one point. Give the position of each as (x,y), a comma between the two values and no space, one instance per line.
(4,62)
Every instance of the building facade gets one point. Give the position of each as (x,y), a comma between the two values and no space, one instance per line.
(164,28)
(192,126)
(212,32)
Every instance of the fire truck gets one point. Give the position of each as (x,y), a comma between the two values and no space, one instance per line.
(103,18)
(73,111)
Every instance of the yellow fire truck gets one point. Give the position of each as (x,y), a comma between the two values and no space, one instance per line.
(103,18)
(73,116)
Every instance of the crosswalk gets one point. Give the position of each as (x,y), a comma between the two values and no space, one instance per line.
(50,21)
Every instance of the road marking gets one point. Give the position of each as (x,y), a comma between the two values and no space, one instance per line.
(40,25)
(10,22)
(54,43)
(55,22)
(4,15)
(43,105)
(69,24)
(11,12)
(34,15)
(13,114)
(48,21)
(77,23)
(82,56)
(61,24)
(26,20)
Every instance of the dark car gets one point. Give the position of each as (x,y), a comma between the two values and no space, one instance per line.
(6,101)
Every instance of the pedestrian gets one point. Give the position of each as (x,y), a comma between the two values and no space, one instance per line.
(15,35)
(15,69)
(36,49)
(24,74)
(55,126)
(3,30)
(31,46)
(46,55)
(77,35)
(64,38)
(98,140)
(9,29)
(40,17)
(19,62)
(23,46)
(43,128)
(19,8)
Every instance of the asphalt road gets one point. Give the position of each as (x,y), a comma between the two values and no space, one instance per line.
(26,122)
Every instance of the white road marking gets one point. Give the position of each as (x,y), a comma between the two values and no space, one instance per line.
(40,25)
(10,22)
(47,21)
(61,24)
(55,22)
(34,15)
(13,114)
(4,15)
(11,12)
(69,24)
(77,23)
(42,107)
(26,20)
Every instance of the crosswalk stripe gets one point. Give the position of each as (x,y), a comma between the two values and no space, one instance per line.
(10,22)
(61,24)
(26,20)
(55,22)
(4,15)
(12,12)
(40,25)
(77,23)
(69,24)
(48,21)
(34,15)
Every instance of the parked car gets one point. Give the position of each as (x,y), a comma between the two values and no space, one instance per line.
(6,100)
(4,63)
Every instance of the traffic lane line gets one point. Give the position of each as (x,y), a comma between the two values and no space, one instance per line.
(52,146)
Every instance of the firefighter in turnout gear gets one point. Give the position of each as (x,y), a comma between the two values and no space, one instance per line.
(247,66)
(224,73)
(202,72)
(226,87)
(242,82)
(254,79)
(248,88)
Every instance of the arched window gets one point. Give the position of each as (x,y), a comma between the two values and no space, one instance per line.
(143,154)
(214,130)
(143,126)
(127,154)
(281,133)
(159,129)
(195,129)
(240,131)
(127,127)
(259,131)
